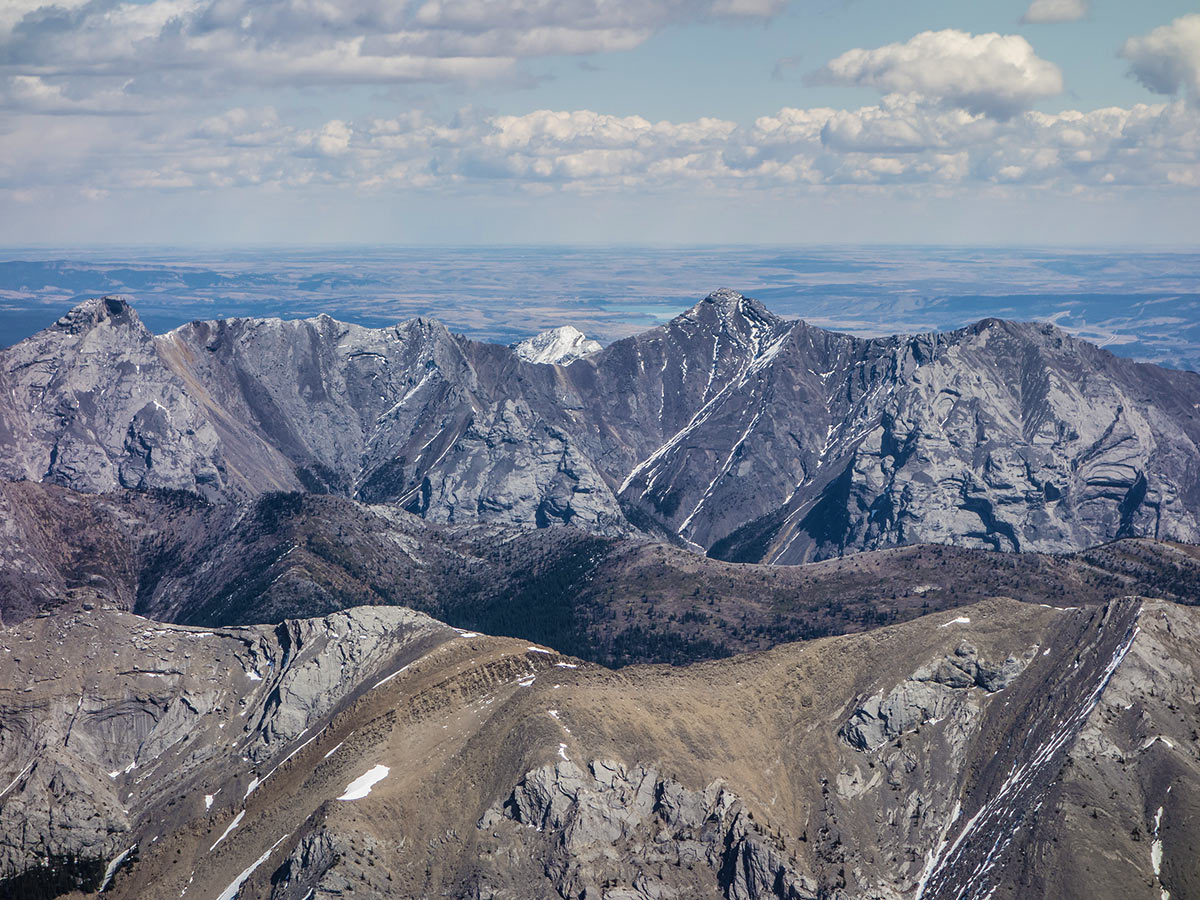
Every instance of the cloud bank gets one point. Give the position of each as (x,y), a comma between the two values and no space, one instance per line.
(183,47)
(901,141)
(96,99)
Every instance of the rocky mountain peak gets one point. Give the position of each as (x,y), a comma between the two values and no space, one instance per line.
(743,318)
(751,437)
(557,346)
(90,313)
(729,304)
(1039,332)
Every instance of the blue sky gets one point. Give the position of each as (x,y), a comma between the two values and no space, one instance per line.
(1061,122)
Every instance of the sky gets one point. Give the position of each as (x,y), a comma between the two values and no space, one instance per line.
(463,122)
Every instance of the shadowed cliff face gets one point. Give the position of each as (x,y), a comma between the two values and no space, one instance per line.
(728,429)
(993,751)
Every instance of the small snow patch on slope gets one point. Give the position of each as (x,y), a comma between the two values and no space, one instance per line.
(237,820)
(961,620)
(120,858)
(236,885)
(361,786)
(1156,854)
(558,346)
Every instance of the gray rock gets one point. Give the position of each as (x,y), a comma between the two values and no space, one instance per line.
(933,692)
(728,428)
(614,824)
(138,713)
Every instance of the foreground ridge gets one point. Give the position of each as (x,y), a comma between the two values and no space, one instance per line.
(991,751)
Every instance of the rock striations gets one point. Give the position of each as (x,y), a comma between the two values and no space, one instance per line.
(1013,750)
(727,429)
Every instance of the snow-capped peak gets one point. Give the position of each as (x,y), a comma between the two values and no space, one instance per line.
(558,346)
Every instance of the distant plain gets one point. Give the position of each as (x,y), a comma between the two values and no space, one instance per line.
(1144,305)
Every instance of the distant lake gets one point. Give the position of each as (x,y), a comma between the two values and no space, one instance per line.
(1138,304)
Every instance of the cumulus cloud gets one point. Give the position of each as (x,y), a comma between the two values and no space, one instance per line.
(1167,60)
(902,124)
(991,74)
(901,142)
(1049,11)
(162,47)
(955,111)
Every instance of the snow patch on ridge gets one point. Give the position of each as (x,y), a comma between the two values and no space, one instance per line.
(237,820)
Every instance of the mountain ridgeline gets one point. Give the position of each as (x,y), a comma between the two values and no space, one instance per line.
(727,429)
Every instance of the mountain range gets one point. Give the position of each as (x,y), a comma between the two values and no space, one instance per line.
(727,430)
(1003,749)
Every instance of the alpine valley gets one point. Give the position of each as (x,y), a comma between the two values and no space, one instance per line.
(734,608)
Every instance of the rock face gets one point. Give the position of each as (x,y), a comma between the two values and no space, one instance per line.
(116,727)
(727,429)
(931,694)
(606,826)
(90,402)
(557,347)
(175,762)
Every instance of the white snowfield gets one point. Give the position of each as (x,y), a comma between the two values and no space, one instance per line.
(361,786)
(558,346)
(231,892)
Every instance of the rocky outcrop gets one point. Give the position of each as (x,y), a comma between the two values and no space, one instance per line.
(90,403)
(108,720)
(307,866)
(932,693)
(610,830)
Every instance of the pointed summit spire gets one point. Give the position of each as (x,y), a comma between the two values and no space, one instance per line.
(727,306)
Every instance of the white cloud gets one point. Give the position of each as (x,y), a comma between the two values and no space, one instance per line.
(904,124)
(902,141)
(955,111)
(333,139)
(192,47)
(1167,60)
(993,74)
(1048,11)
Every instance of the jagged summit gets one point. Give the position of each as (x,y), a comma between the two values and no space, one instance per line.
(112,308)
(726,306)
(557,346)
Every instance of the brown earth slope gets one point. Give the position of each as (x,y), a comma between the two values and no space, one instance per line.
(1006,747)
